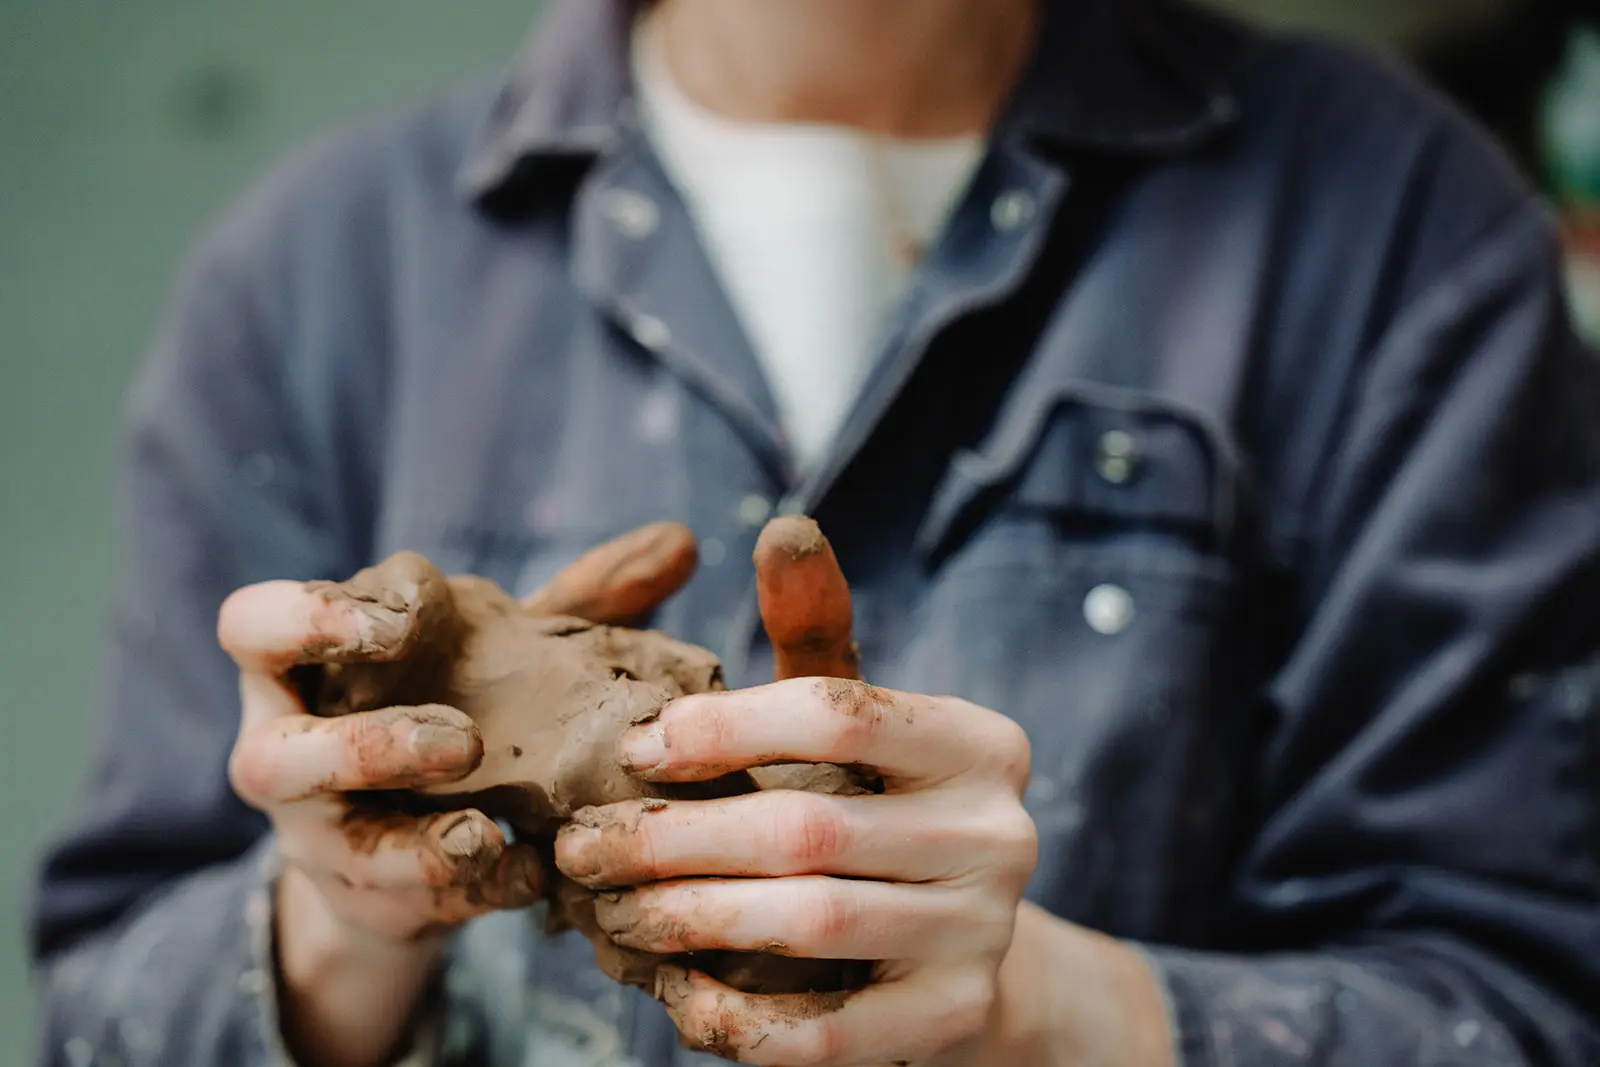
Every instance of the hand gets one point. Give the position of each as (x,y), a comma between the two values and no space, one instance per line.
(926,877)
(367,896)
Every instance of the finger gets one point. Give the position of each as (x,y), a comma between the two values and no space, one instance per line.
(909,1019)
(300,756)
(805,601)
(809,917)
(272,626)
(624,579)
(413,914)
(774,834)
(388,851)
(911,740)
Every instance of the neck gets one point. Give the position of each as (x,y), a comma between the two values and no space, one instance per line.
(904,68)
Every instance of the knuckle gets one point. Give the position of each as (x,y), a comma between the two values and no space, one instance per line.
(1010,751)
(1015,840)
(369,735)
(252,773)
(828,917)
(230,618)
(239,616)
(854,710)
(811,832)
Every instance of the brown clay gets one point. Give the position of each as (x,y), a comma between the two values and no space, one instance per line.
(552,694)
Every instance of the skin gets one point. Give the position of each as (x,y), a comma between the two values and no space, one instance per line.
(905,68)
(366,901)
(926,877)
(937,865)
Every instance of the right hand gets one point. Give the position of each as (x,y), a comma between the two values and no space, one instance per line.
(367,897)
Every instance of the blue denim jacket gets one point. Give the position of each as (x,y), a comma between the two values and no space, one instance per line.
(1233,439)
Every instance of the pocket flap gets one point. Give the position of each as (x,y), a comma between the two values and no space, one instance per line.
(1094,454)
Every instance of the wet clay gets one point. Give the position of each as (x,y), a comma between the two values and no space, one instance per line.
(552,696)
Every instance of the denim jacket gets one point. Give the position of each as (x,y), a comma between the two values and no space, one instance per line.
(1233,439)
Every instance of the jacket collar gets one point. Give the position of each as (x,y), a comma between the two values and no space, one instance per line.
(1129,77)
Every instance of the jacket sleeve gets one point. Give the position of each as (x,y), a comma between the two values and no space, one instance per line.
(150,923)
(1424,884)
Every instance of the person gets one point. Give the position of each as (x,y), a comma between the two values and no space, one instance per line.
(1192,409)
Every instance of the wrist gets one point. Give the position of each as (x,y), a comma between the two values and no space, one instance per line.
(346,997)
(1068,995)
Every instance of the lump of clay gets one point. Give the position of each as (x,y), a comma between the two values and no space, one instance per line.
(552,695)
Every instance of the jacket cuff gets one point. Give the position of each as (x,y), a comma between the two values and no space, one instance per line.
(187,980)
(1185,986)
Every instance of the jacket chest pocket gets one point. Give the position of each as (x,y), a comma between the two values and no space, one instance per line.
(1080,582)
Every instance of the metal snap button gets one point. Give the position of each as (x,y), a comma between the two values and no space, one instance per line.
(633,214)
(754,510)
(1012,209)
(1117,459)
(1108,609)
(650,332)
(79,1052)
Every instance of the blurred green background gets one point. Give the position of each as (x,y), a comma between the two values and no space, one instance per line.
(124,127)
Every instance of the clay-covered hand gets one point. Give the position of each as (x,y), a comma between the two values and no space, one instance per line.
(549,697)
(390,874)
(925,878)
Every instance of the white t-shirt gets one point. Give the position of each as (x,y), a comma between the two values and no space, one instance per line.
(812,230)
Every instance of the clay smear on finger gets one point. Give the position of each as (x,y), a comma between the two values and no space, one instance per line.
(551,697)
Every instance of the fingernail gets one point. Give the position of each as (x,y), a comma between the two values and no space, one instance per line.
(380,627)
(644,748)
(462,840)
(437,743)
(574,852)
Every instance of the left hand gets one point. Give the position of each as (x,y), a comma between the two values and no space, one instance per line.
(926,877)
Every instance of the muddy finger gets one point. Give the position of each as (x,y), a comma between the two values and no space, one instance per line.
(273,626)
(414,913)
(294,758)
(808,917)
(458,850)
(805,601)
(914,741)
(907,1020)
(780,834)
(624,579)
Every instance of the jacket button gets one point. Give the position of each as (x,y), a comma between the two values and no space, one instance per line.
(1117,457)
(1011,210)
(650,332)
(633,214)
(1108,609)
(79,1052)
(755,510)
